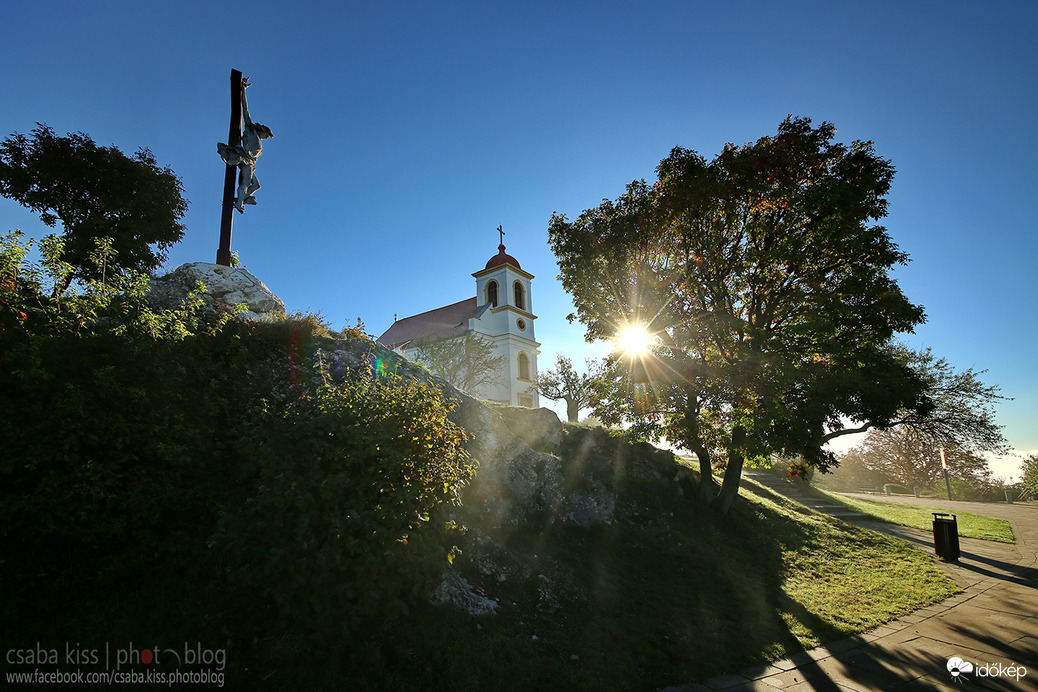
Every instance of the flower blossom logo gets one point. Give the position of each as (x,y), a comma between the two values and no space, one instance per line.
(958,668)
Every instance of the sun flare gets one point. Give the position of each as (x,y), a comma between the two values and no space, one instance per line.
(634,340)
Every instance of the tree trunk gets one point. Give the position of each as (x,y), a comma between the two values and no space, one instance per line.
(733,473)
(572,410)
(706,476)
(707,487)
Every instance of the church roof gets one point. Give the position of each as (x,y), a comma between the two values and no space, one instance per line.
(502,258)
(450,320)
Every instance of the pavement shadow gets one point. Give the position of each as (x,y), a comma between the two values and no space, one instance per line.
(1023,576)
(999,644)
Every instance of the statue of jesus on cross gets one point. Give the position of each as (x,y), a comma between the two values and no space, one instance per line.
(244,155)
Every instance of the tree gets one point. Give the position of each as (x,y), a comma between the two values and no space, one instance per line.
(956,407)
(766,288)
(1030,475)
(563,382)
(467,362)
(852,475)
(96,192)
(909,457)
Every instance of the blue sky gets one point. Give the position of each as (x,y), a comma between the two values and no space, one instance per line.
(405,133)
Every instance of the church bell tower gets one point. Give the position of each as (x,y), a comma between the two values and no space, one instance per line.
(507,320)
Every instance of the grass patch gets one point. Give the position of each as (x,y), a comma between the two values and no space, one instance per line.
(918,517)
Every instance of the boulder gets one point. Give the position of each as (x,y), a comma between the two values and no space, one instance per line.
(455,592)
(514,481)
(224,285)
(540,428)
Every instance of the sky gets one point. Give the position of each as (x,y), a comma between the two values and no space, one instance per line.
(407,132)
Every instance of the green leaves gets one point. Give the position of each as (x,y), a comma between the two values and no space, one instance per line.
(766,281)
(1029,467)
(351,478)
(95,192)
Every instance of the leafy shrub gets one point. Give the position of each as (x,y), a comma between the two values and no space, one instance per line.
(138,440)
(312,322)
(1029,468)
(355,331)
(971,492)
(102,438)
(113,413)
(344,519)
(787,468)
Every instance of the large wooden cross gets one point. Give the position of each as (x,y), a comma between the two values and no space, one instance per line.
(223,254)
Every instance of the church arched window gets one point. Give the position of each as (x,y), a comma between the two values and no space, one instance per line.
(492,293)
(520,295)
(524,367)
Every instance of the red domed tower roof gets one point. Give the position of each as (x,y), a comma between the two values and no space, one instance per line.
(502,258)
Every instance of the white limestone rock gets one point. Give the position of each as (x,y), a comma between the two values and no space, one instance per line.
(224,285)
(455,592)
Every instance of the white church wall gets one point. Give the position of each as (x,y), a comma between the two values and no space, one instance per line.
(509,326)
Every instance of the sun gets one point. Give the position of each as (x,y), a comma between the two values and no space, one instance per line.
(634,340)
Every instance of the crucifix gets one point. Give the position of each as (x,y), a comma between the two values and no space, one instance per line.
(244,145)
(502,235)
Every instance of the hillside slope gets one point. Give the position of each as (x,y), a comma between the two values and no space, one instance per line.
(214,490)
(587,563)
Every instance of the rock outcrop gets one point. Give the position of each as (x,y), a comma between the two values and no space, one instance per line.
(534,472)
(224,285)
(514,481)
(455,592)
(530,464)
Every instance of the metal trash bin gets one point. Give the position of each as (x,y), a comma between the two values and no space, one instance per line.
(946,536)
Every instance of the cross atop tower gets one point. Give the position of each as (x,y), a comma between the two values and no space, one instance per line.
(502,235)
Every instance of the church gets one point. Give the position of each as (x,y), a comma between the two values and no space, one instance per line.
(501,312)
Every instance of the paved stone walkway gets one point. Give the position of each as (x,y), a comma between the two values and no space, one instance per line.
(992,623)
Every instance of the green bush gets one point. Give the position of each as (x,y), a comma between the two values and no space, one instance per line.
(969,492)
(102,438)
(789,468)
(118,420)
(344,521)
(142,444)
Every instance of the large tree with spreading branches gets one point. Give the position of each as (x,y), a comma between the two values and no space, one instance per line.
(907,456)
(767,289)
(95,192)
(957,409)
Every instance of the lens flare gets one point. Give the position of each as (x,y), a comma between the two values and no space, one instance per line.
(634,340)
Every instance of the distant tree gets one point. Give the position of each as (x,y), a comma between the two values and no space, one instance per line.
(1030,479)
(852,474)
(468,362)
(906,456)
(565,383)
(96,192)
(767,290)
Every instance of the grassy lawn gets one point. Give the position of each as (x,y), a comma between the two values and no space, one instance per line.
(918,517)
